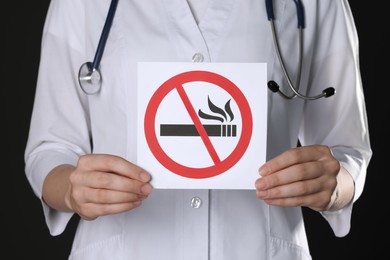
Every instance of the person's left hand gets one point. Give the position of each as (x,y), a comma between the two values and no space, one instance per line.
(303,176)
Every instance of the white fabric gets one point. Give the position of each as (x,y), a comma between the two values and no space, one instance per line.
(198,7)
(229,224)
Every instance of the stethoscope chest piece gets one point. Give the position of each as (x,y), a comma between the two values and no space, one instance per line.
(90,79)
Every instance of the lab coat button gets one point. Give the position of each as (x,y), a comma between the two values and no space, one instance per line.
(198,57)
(196,202)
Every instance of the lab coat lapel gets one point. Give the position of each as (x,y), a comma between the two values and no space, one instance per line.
(191,38)
(214,23)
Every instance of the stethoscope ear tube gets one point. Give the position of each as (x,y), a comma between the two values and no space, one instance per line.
(274,87)
(300,13)
(269,6)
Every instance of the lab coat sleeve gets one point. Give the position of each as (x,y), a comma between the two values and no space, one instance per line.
(59,128)
(339,121)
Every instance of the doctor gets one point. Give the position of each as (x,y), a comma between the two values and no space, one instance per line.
(81,148)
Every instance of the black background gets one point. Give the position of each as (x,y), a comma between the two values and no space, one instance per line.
(22,225)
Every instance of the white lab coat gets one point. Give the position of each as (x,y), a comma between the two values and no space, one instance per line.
(230,224)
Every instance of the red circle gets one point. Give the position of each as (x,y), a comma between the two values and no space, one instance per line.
(150,131)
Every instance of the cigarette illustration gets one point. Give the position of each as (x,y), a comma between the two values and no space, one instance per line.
(215,130)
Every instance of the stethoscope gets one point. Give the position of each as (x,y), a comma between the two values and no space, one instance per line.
(90,78)
(272,85)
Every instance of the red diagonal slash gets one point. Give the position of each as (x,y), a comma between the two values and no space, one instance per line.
(202,132)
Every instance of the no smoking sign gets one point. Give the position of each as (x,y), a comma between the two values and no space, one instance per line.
(202,125)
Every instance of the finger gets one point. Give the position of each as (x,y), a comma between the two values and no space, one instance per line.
(295,173)
(317,201)
(90,211)
(294,156)
(114,164)
(295,189)
(103,196)
(110,181)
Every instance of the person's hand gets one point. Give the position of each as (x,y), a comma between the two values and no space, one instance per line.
(303,176)
(106,184)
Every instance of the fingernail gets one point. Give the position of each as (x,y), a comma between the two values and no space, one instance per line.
(260,185)
(146,189)
(144,176)
(264,170)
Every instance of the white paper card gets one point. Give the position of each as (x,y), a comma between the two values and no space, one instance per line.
(202,125)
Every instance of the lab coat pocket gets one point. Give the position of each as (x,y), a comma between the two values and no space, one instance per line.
(282,250)
(110,248)
(287,234)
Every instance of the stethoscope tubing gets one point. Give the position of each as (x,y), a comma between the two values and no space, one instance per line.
(282,64)
(104,35)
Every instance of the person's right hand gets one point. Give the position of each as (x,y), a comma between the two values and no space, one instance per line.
(106,184)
